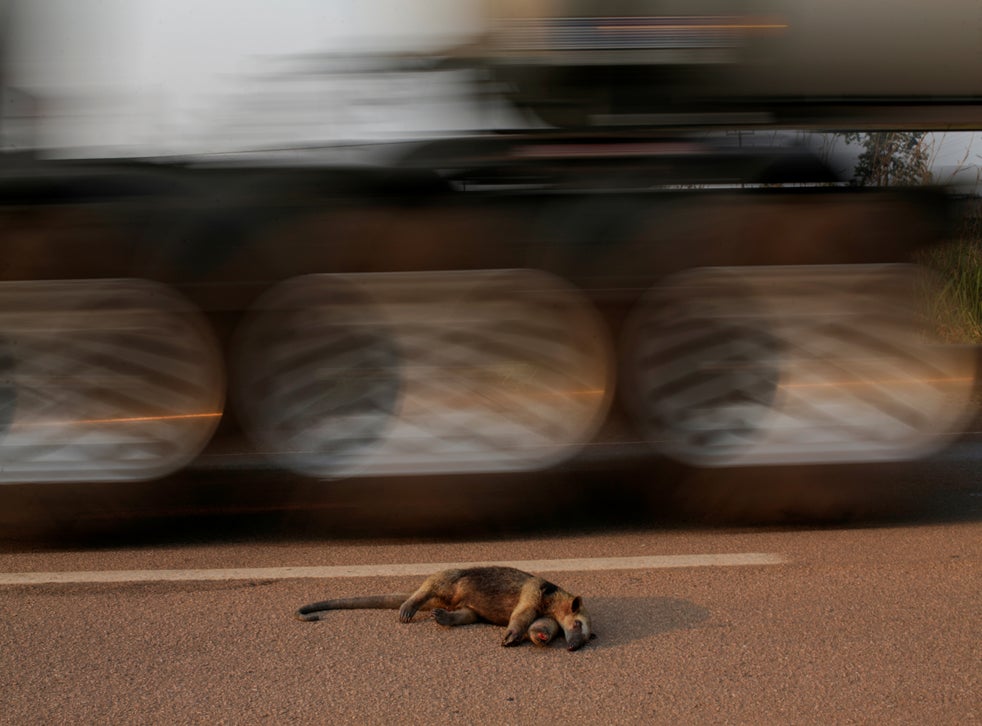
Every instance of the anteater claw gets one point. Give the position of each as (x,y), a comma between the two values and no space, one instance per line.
(511,638)
(406,614)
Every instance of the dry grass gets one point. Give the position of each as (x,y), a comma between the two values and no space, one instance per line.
(956,309)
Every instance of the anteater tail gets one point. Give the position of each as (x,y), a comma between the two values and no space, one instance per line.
(368,602)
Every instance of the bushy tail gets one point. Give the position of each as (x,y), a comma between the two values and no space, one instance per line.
(368,602)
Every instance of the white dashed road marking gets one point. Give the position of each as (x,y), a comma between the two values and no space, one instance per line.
(332,571)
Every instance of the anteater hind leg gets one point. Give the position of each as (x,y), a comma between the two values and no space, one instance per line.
(460,616)
(412,605)
(433,592)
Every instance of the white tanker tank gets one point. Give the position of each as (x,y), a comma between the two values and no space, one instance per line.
(831,64)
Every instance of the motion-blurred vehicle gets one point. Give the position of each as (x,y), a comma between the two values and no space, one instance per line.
(627,275)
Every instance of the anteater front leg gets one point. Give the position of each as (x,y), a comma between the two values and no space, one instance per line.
(525,612)
(518,625)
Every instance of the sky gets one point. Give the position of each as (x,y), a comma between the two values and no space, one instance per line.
(165,65)
(181,75)
(186,46)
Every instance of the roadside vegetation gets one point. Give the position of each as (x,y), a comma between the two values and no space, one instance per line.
(956,309)
(904,158)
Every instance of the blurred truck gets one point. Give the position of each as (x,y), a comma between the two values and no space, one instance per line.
(628,275)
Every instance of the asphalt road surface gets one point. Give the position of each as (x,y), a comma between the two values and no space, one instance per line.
(868,621)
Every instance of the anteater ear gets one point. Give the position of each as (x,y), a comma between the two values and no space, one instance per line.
(575,605)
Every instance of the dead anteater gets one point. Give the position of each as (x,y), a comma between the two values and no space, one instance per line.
(507,596)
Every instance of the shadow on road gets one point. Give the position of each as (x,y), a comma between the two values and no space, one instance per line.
(250,506)
(622,620)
